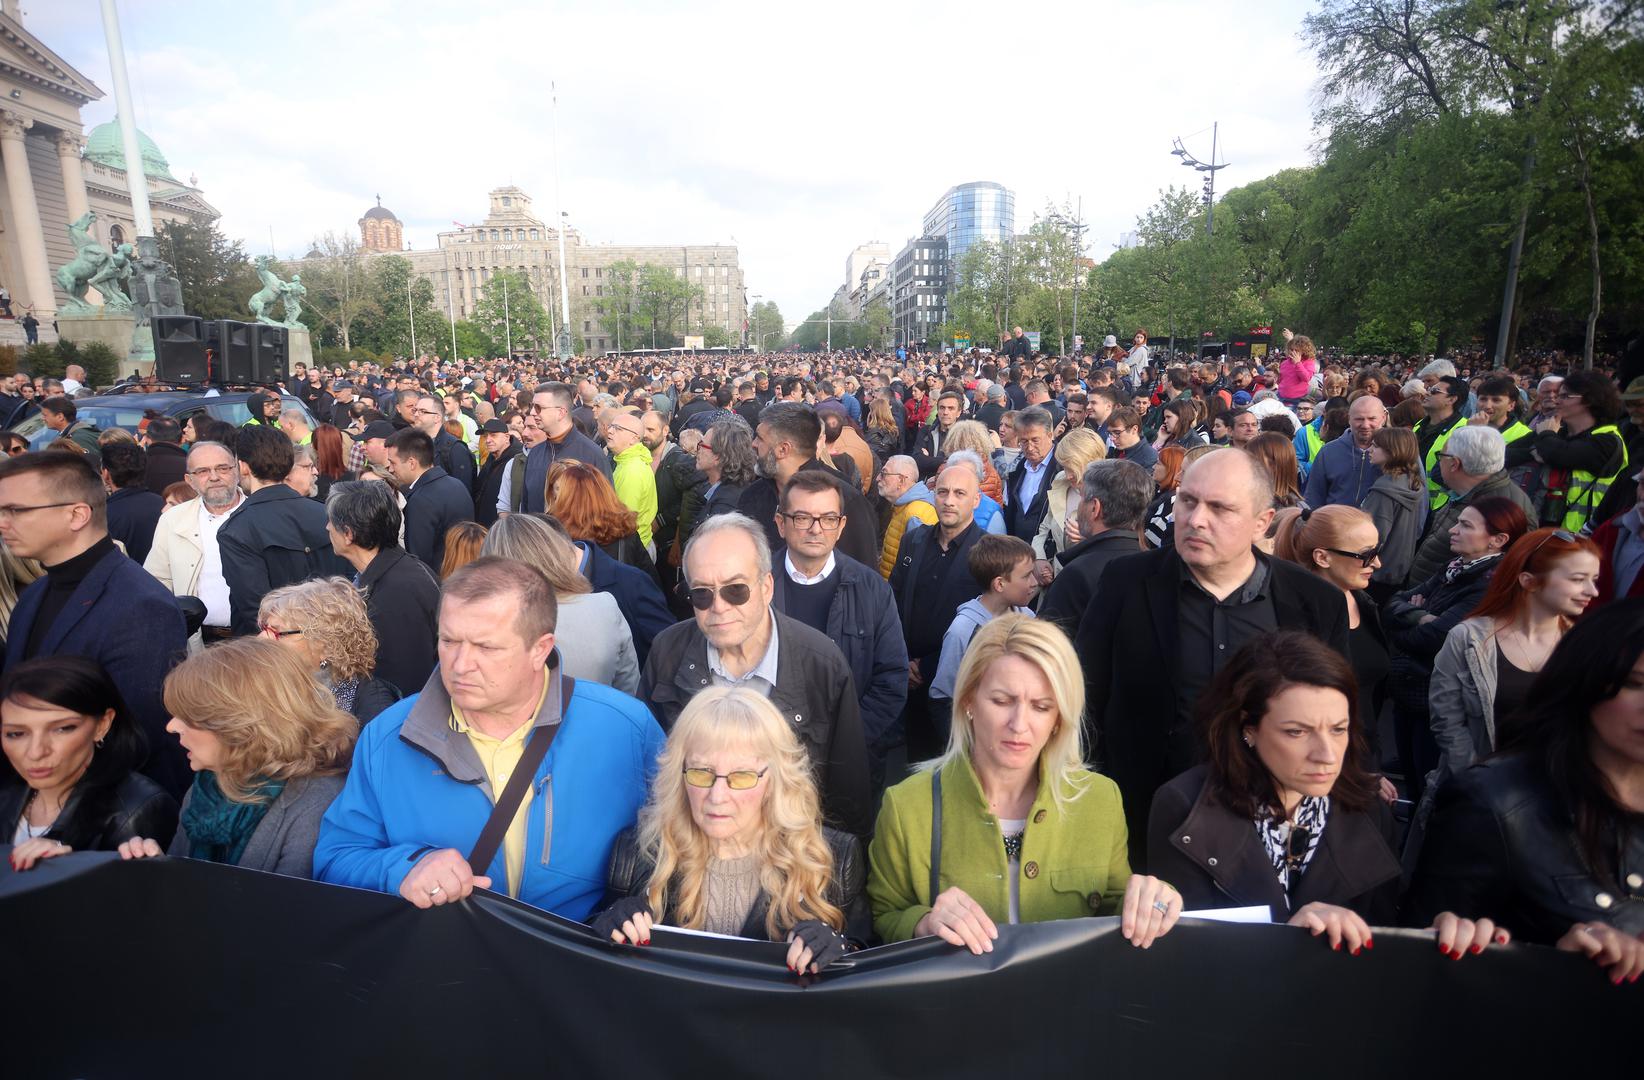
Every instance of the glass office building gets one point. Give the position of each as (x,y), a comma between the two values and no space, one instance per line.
(970,213)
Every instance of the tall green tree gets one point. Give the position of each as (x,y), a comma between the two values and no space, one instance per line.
(216,274)
(509,313)
(765,327)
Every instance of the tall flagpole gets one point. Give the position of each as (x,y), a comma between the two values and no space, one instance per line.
(562,341)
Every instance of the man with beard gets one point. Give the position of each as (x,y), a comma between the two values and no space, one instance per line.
(787,440)
(675,472)
(185,557)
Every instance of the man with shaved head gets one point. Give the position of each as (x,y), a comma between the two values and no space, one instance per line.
(1164,622)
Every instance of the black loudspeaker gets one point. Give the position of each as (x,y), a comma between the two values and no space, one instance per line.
(231,346)
(270,354)
(180,350)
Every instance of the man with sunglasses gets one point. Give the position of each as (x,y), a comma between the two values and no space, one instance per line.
(738,639)
(847,601)
(92,601)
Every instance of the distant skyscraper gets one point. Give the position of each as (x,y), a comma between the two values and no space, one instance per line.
(970,213)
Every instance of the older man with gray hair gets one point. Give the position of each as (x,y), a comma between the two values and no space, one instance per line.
(1112,507)
(1472,466)
(184,557)
(738,639)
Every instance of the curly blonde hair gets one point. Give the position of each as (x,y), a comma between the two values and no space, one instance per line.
(1044,645)
(271,715)
(795,862)
(331,614)
(1076,450)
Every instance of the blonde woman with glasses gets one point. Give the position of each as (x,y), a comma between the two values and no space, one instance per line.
(1008,826)
(731,841)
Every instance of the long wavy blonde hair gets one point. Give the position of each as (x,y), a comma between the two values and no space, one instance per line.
(274,719)
(1044,645)
(795,861)
(331,614)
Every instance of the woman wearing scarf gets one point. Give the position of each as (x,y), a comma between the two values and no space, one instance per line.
(269,748)
(1417,621)
(1285,813)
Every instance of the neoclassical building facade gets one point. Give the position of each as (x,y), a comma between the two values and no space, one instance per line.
(54,171)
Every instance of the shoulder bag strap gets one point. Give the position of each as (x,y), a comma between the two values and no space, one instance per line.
(935,834)
(507,805)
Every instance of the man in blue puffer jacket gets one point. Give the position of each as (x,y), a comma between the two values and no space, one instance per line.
(427,771)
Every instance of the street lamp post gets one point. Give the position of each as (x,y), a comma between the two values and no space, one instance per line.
(1208,197)
(757,297)
(450,304)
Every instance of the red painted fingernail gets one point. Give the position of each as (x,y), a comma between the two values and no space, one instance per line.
(1444,950)
(1370,943)
(1458,954)
(1616,981)
(1355,952)
(1336,947)
(1477,949)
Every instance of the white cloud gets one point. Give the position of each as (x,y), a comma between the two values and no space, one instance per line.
(800,129)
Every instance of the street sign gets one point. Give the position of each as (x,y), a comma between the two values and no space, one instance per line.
(961,342)
(1033,339)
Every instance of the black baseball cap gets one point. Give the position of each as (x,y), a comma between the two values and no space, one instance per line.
(378,429)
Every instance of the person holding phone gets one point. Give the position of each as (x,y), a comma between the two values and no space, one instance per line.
(1285,813)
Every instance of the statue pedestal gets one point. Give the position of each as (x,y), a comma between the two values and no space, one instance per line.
(300,345)
(131,341)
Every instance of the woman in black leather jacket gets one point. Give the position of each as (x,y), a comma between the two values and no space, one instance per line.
(731,841)
(72,749)
(1286,813)
(1549,839)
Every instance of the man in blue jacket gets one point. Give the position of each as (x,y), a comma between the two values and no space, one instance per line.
(428,771)
(92,601)
(1342,472)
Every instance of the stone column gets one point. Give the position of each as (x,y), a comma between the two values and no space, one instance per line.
(69,145)
(25,218)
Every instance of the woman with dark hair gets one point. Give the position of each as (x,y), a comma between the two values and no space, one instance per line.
(1483,673)
(1278,454)
(1397,503)
(329,460)
(1284,813)
(1547,837)
(1176,425)
(584,501)
(1161,515)
(1418,619)
(73,750)
(725,458)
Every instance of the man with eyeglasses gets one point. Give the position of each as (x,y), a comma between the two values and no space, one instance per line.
(848,602)
(738,639)
(631,473)
(450,452)
(185,557)
(92,600)
(1442,406)
(550,413)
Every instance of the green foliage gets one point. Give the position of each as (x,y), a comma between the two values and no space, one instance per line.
(43,361)
(765,329)
(101,363)
(216,274)
(645,306)
(715,337)
(509,314)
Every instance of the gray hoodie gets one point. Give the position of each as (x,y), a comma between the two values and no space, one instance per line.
(1399,511)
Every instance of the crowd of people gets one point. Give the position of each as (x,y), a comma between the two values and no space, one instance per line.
(851,648)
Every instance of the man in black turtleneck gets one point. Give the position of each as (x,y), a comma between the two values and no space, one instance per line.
(92,601)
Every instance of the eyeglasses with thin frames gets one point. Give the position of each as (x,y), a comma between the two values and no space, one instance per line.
(740,780)
(9,513)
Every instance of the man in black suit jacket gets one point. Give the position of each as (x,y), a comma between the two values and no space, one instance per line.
(1035,435)
(931,579)
(451,454)
(1113,504)
(786,440)
(1164,622)
(434,500)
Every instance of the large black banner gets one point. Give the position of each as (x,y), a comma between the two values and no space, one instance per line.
(178,968)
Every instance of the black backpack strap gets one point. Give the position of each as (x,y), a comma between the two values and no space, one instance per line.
(507,804)
(935,834)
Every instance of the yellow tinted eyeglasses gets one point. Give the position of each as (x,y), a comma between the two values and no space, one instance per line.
(740,780)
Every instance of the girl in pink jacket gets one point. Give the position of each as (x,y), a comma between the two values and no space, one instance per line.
(1297,369)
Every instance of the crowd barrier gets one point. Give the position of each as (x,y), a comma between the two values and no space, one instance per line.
(177,968)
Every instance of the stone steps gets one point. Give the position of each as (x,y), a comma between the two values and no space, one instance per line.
(11,333)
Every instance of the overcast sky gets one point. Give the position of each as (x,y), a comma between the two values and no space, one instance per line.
(799,129)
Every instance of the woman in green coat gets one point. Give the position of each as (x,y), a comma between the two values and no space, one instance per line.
(1022,832)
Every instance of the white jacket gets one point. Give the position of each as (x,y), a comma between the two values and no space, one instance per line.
(176,556)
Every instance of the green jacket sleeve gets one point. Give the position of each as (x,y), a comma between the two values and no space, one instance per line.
(896,899)
(1118,874)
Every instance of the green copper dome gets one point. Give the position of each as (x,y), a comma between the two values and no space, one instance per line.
(106,146)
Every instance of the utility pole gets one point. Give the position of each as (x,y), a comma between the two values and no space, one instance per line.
(411,312)
(562,340)
(1208,198)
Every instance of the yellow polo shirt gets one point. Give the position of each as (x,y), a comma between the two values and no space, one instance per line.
(500,757)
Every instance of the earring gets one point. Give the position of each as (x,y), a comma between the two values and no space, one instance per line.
(325,664)
(1248,743)
(98,744)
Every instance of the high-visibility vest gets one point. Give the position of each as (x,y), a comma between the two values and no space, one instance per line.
(1314,441)
(1585,490)
(1437,494)
(1515,431)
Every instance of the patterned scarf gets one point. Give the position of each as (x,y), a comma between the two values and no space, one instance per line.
(1458,566)
(1310,815)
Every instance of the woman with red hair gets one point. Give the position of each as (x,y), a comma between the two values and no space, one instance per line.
(1167,474)
(329,459)
(587,505)
(1483,673)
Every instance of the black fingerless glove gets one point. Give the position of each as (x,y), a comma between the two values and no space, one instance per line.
(825,943)
(610,920)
